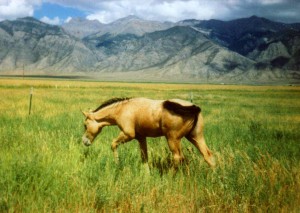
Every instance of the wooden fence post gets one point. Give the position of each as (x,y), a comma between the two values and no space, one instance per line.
(191,97)
(30,100)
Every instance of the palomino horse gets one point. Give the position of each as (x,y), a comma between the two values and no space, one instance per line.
(139,118)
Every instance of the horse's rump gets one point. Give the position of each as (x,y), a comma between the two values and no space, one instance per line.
(191,111)
(179,109)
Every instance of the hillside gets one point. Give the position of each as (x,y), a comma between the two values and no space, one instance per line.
(79,27)
(31,44)
(178,50)
(271,44)
(127,25)
(240,50)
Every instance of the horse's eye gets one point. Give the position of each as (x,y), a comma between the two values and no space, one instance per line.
(85,126)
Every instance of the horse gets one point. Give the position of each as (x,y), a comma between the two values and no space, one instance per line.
(139,118)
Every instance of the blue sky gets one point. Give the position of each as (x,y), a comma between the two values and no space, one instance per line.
(57,14)
(106,11)
(54,10)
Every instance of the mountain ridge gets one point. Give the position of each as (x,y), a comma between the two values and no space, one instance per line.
(130,24)
(192,49)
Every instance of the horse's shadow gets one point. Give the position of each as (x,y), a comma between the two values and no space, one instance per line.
(167,165)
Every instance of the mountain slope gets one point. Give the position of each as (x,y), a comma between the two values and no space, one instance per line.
(80,27)
(194,50)
(178,49)
(271,44)
(132,25)
(281,50)
(35,45)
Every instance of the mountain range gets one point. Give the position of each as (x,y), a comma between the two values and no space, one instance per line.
(244,49)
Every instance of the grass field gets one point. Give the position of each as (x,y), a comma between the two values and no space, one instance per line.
(252,130)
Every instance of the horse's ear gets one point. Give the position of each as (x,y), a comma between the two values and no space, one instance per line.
(85,113)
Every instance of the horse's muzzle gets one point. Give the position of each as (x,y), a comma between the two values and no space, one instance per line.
(86,141)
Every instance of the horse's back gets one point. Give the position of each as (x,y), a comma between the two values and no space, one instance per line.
(152,118)
(145,115)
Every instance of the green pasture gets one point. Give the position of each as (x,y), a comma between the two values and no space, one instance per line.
(252,130)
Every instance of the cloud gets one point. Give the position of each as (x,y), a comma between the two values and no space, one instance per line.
(277,10)
(157,10)
(55,21)
(110,11)
(179,10)
(12,9)
(162,10)
(68,19)
(174,10)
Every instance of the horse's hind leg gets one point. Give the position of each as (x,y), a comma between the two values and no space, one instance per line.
(175,147)
(199,142)
(196,137)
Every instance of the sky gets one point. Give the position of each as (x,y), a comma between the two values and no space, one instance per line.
(61,11)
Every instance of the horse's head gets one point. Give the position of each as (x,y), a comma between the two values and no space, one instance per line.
(92,128)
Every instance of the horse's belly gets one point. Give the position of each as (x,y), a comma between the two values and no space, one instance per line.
(148,121)
(147,130)
(151,133)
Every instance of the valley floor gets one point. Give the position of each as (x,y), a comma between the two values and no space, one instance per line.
(252,130)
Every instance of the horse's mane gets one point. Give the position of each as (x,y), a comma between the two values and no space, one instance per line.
(110,102)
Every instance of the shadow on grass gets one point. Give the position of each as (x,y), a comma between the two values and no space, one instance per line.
(167,165)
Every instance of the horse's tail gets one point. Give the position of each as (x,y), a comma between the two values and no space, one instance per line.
(191,111)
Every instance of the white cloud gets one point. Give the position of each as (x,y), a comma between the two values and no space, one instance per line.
(111,11)
(12,9)
(163,10)
(176,10)
(54,21)
(179,10)
(68,19)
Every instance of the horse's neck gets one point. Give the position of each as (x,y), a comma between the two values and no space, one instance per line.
(106,115)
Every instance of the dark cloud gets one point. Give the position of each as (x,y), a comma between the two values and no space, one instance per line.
(281,10)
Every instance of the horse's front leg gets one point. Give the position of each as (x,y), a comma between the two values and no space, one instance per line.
(144,154)
(122,138)
(143,147)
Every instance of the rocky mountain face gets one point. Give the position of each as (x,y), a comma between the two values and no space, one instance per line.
(128,25)
(178,50)
(132,25)
(270,44)
(31,44)
(251,48)
(81,28)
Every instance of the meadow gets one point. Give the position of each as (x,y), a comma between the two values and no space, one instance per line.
(252,130)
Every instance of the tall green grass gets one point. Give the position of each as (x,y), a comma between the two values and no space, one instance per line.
(253,132)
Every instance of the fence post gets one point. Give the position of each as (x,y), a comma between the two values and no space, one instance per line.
(30,99)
